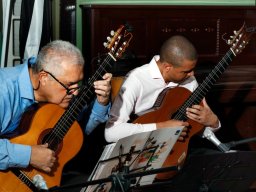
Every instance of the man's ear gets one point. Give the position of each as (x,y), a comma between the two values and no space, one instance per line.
(168,66)
(43,77)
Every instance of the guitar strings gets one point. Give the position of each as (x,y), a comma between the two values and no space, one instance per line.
(58,130)
(98,73)
(75,106)
(205,86)
(201,87)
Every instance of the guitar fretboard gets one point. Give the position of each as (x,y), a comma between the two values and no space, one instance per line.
(196,97)
(85,96)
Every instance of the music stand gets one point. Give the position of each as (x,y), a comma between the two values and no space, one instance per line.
(134,155)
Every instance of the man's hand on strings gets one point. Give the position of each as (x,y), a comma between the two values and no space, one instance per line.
(103,89)
(42,157)
(203,115)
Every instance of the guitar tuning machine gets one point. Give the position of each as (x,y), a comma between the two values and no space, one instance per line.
(105,44)
(108,38)
(112,33)
(228,41)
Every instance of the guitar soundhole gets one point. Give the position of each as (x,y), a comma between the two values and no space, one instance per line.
(54,143)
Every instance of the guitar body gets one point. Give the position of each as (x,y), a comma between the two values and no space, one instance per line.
(178,99)
(171,102)
(41,124)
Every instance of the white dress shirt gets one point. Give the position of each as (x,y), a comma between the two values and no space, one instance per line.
(137,96)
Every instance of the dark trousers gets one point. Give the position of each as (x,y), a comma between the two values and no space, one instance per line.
(212,172)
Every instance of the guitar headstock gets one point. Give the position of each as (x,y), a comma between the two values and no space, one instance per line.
(118,41)
(240,39)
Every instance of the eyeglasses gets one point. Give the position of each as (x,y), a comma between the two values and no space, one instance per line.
(68,90)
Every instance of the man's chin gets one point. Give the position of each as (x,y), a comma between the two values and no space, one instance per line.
(64,105)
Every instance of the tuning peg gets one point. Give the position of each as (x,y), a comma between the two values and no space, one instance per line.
(108,38)
(112,33)
(235,32)
(105,44)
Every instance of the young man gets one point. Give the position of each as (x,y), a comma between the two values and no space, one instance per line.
(53,77)
(174,67)
(204,170)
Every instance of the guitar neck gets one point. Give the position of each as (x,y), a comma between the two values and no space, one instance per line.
(116,46)
(200,92)
(85,96)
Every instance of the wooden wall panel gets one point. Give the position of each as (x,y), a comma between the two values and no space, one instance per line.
(234,95)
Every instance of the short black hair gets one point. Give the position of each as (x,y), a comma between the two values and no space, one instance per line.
(177,48)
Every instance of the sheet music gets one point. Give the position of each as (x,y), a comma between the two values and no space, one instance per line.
(142,151)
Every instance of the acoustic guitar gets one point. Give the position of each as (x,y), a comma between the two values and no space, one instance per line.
(58,127)
(169,106)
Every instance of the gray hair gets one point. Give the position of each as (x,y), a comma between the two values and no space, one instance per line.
(176,49)
(52,54)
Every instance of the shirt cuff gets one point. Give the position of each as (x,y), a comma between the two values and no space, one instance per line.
(99,114)
(100,109)
(215,129)
(149,127)
(20,156)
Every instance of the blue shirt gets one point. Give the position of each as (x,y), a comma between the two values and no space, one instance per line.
(16,96)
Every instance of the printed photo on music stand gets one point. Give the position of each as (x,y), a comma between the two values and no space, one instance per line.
(139,152)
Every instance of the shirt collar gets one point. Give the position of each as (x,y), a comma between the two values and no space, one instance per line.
(153,68)
(26,88)
(155,72)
